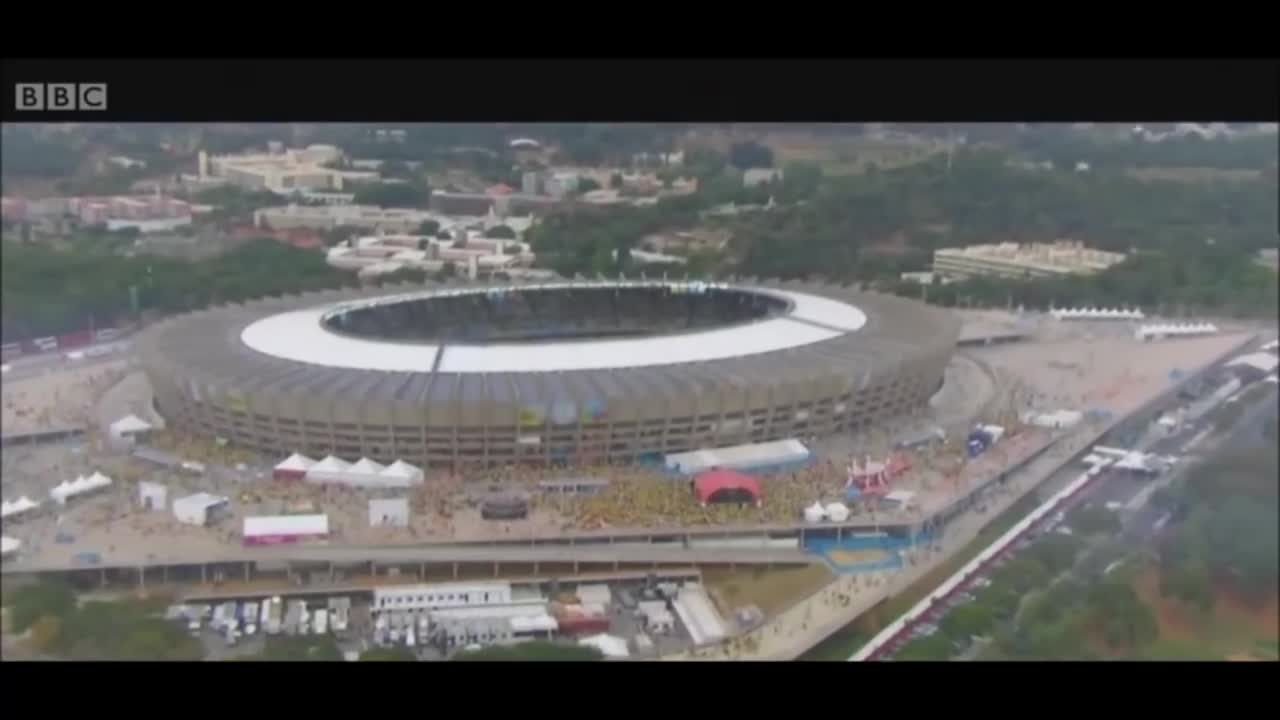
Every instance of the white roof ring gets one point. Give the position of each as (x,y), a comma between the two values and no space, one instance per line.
(300,336)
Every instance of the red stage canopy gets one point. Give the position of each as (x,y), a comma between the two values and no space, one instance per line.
(726,486)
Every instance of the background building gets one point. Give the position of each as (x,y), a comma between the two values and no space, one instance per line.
(1016,260)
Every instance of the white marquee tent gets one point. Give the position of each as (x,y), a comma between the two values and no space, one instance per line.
(364,473)
(815,513)
(837,512)
(81,485)
(129,425)
(294,467)
(1156,332)
(1090,313)
(17,507)
(364,468)
(401,474)
(330,470)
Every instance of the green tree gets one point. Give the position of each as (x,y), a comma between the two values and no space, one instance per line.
(301,648)
(586,185)
(1057,552)
(800,180)
(393,654)
(429,227)
(501,232)
(45,633)
(930,647)
(398,195)
(968,620)
(49,598)
(750,155)
(1095,519)
(615,181)
(395,169)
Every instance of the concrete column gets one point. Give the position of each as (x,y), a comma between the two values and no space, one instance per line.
(332,573)
(455,571)
(422,571)
(204,575)
(104,577)
(248,571)
(164,574)
(575,567)
(142,576)
(615,564)
(495,568)
(535,567)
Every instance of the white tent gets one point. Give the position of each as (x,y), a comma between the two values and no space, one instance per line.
(329,470)
(815,513)
(392,512)
(17,507)
(367,467)
(64,490)
(194,509)
(401,474)
(129,425)
(9,545)
(95,481)
(153,496)
(837,512)
(294,467)
(68,489)
(903,498)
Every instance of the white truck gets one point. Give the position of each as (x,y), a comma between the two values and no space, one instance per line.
(249,616)
(321,621)
(275,614)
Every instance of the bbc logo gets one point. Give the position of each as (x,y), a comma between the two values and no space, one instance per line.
(61,96)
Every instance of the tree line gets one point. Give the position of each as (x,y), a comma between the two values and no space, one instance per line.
(48,292)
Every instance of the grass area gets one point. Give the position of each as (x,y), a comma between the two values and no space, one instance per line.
(771,590)
(846,641)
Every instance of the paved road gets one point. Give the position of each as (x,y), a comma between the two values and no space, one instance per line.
(629,553)
(28,366)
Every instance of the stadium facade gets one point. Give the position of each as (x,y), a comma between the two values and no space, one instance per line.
(574,372)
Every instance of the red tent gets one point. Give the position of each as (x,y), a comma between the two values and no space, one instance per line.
(726,486)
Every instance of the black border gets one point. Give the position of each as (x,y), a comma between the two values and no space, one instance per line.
(706,90)
(649,689)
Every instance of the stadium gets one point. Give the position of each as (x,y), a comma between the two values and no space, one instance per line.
(569,372)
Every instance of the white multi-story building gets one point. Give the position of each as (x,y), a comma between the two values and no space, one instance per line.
(1015,260)
(376,255)
(494,624)
(281,170)
(435,596)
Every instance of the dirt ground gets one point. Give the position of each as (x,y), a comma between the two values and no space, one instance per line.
(770,590)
